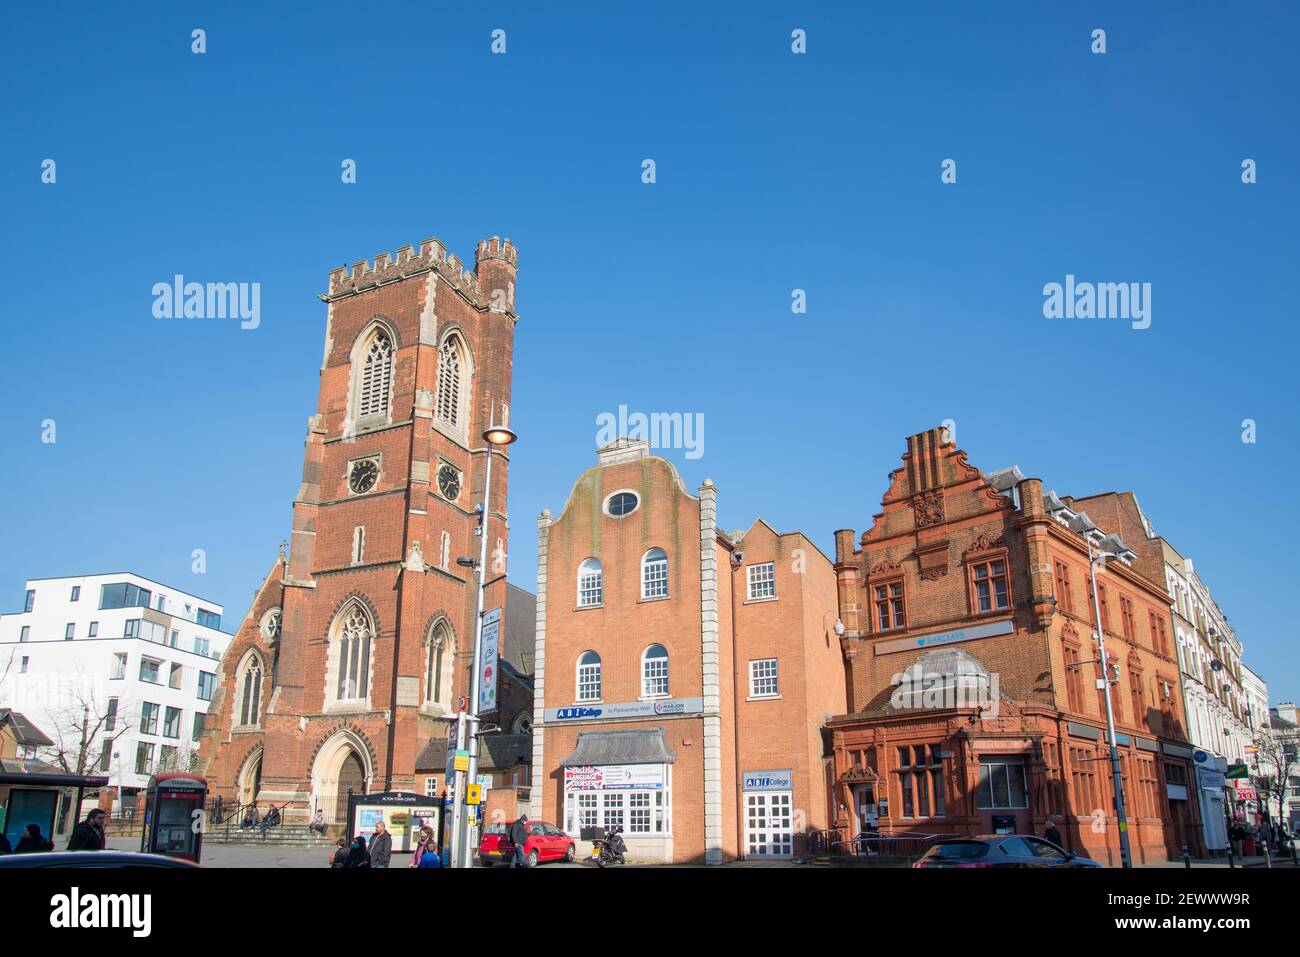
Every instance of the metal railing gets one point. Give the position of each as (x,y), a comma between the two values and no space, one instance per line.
(908,846)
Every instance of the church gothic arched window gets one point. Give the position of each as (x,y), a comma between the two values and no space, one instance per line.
(353,634)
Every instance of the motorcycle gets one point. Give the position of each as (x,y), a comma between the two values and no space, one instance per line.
(609,849)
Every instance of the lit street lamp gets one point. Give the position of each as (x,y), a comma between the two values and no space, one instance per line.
(496,436)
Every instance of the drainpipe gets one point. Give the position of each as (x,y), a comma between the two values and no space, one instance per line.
(735,715)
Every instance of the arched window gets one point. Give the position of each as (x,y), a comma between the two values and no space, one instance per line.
(591,583)
(376,377)
(451,383)
(439,665)
(353,633)
(589,677)
(251,692)
(654,574)
(654,672)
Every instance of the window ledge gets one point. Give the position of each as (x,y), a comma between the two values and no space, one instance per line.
(655,598)
(599,604)
(764,697)
(654,697)
(758,601)
(587,704)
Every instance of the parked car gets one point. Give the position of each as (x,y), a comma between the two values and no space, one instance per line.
(97,859)
(1000,850)
(546,842)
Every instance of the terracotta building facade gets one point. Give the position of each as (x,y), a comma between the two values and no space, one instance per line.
(972,669)
(682,674)
(359,643)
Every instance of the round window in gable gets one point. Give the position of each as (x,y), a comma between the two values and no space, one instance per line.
(621,503)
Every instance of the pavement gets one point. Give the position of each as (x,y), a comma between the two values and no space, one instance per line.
(271,856)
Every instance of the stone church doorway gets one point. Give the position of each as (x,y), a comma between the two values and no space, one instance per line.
(343,762)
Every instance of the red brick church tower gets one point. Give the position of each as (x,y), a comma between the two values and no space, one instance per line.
(359,644)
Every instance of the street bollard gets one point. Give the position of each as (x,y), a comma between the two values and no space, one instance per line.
(1187,857)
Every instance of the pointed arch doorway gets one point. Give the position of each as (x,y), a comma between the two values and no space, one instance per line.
(250,778)
(352,779)
(343,762)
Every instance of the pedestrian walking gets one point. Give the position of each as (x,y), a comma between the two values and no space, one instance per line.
(1051,833)
(340,857)
(33,841)
(358,856)
(89,834)
(430,857)
(519,837)
(381,846)
(426,840)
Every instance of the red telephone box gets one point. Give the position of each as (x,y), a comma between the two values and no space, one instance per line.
(173,816)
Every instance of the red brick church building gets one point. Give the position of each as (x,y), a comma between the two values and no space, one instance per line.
(360,641)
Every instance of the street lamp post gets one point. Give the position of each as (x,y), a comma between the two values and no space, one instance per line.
(495,436)
(1121,816)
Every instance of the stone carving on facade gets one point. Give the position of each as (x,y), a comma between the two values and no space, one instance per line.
(928,509)
(884,568)
(984,544)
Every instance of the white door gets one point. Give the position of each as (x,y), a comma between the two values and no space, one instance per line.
(769,824)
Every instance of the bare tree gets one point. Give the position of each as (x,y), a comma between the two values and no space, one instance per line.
(79,722)
(1277,754)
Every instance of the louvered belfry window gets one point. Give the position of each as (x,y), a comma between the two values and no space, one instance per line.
(449,370)
(376,376)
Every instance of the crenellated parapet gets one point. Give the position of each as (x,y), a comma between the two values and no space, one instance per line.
(429,256)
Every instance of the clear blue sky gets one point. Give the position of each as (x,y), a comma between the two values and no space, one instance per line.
(775,172)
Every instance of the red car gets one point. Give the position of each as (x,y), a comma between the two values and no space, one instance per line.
(546,842)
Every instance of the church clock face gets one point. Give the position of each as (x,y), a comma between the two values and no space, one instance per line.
(363,476)
(449,483)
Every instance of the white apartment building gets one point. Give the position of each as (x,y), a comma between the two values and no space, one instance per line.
(1255,693)
(116,668)
(1219,722)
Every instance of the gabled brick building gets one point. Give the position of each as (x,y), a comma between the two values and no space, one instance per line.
(360,642)
(972,669)
(682,674)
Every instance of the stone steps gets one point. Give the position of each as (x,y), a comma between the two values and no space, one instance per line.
(285,835)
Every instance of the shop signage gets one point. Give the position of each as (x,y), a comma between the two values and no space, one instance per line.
(664,707)
(1236,771)
(1176,792)
(614,777)
(769,780)
(1211,779)
(1084,731)
(937,638)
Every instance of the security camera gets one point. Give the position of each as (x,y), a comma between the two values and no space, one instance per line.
(737,557)
(839,627)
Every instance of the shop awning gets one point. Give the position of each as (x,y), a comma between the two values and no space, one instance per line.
(620,747)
